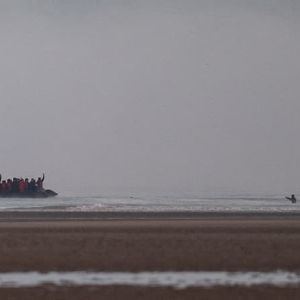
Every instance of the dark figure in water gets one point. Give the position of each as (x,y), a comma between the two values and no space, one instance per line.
(292,198)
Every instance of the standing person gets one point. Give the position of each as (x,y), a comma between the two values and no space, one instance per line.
(22,187)
(32,186)
(4,186)
(9,185)
(39,183)
(15,185)
(26,183)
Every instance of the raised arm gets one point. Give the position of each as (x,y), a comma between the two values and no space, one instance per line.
(43,178)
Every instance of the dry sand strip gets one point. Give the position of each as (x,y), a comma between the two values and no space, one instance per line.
(150,215)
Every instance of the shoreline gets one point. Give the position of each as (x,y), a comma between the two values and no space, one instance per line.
(124,293)
(105,215)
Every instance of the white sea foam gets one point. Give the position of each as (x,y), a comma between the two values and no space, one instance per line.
(179,280)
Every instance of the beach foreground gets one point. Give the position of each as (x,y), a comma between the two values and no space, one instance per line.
(136,245)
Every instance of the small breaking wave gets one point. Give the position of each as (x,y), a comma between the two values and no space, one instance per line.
(177,280)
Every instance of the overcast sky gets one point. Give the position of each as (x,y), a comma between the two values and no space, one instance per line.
(170,95)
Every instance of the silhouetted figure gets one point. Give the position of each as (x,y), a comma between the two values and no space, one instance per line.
(292,198)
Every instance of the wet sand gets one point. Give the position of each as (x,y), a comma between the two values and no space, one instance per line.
(121,293)
(135,243)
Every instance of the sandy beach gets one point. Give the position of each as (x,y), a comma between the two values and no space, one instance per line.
(149,244)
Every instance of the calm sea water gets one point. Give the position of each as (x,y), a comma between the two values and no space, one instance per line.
(158,203)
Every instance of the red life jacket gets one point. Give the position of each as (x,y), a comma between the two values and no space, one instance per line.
(22,186)
(4,186)
(8,186)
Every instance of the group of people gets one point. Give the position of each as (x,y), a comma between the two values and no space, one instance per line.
(20,185)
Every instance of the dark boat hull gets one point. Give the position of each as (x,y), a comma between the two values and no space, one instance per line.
(37,194)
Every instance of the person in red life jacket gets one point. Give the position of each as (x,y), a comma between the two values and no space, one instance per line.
(26,183)
(4,186)
(9,185)
(22,187)
(39,183)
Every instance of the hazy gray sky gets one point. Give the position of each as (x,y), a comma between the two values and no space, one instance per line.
(174,96)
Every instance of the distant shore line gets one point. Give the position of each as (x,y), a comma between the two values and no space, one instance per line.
(105,215)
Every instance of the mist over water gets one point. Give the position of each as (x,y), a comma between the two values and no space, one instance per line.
(151,96)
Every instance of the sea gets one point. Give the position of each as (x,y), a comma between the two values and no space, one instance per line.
(155,203)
